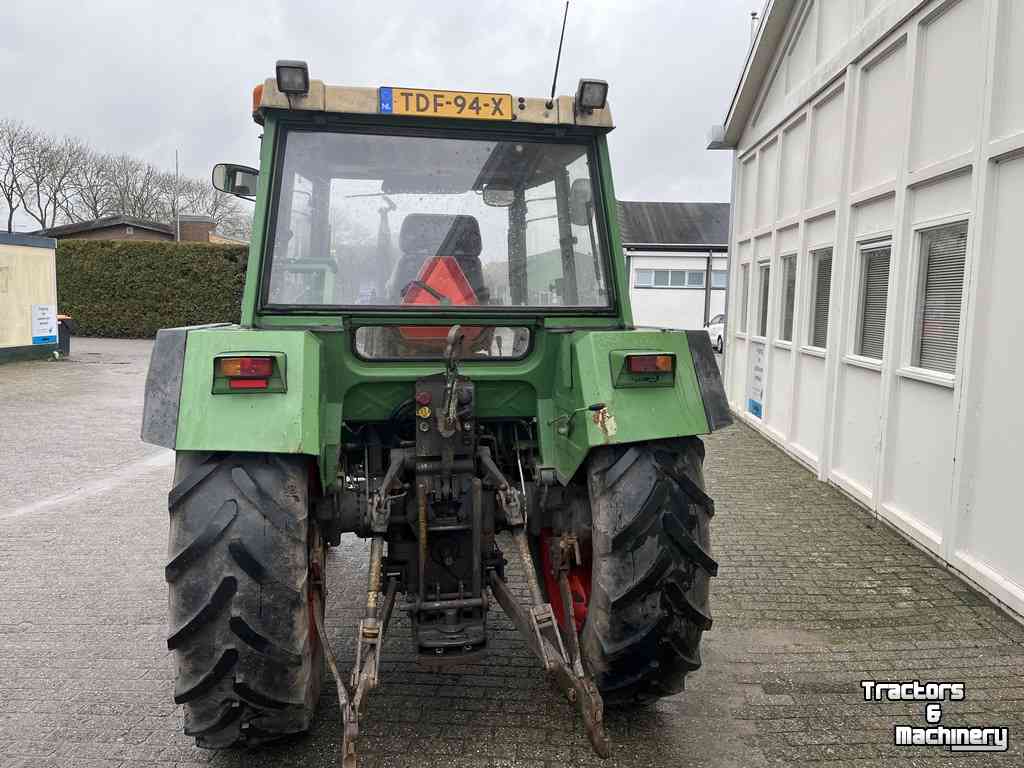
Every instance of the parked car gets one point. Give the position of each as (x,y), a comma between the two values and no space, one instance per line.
(716,330)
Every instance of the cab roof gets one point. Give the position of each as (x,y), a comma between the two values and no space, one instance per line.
(342,99)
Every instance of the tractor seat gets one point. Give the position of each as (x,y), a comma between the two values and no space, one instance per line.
(425,235)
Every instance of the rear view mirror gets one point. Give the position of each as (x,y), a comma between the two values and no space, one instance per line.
(499,198)
(581,202)
(238,180)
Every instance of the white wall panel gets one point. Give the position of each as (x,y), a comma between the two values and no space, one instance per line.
(780,393)
(821,230)
(883,116)
(944,197)
(875,216)
(794,168)
(762,251)
(919,466)
(774,97)
(834,23)
(825,152)
(767,181)
(858,425)
(802,53)
(950,72)
(748,192)
(993,528)
(786,240)
(810,416)
(1008,93)
(738,372)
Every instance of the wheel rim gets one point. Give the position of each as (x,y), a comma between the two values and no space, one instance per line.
(579,581)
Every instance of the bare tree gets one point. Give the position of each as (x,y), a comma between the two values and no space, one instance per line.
(45,186)
(14,145)
(138,189)
(63,180)
(92,188)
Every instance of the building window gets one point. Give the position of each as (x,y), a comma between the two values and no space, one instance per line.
(764,271)
(941,283)
(788,296)
(822,260)
(745,281)
(673,278)
(874,300)
(719,278)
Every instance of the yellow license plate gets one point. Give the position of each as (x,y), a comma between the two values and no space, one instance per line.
(459,104)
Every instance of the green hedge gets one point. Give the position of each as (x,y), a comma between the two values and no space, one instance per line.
(131,289)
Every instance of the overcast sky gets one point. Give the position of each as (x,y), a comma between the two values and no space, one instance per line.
(147,77)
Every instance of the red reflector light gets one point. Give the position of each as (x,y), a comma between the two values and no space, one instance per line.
(650,363)
(246,368)
(247,384)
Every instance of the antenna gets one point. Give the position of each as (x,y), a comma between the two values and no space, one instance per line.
(558,59)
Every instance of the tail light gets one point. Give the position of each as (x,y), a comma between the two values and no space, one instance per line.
(246,367)
(233,373)
(651,363)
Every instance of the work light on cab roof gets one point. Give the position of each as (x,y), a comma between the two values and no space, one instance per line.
(436,346)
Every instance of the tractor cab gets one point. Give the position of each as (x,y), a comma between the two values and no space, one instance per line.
(469,217)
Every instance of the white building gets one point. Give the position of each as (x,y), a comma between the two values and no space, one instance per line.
(876,320)
(677,254)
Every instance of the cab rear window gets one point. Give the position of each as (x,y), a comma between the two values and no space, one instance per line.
(427,342)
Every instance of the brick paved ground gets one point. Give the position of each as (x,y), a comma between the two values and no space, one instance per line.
(813,596)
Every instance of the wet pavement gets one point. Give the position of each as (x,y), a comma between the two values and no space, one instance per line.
(813,596)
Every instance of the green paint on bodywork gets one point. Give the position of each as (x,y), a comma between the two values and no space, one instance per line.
(294,421)
(328,384)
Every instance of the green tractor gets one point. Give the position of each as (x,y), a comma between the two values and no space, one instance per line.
(436,352)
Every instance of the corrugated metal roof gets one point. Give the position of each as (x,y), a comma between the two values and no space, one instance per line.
(690,224)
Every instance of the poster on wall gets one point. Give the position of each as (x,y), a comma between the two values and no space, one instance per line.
(755,380)
(44,324)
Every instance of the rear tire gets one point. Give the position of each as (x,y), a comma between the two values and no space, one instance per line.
(249,664)
(720,348)
(651,566)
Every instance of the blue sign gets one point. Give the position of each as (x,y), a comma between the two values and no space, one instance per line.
(386,103)
(44,339)
(754,407)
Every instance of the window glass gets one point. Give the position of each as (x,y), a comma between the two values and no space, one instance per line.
(822,260)
(678,279)
(395,342)
(874,301)
(695,279)
(788,296)
(943,255)
(381,220)
(644,277)
(719,278)
(662,278)
(762,318)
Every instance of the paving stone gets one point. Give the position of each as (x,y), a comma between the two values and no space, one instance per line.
(813,596)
